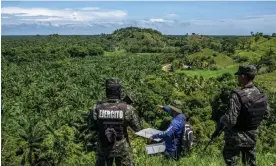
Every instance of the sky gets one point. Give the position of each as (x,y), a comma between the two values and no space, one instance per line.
(171,18)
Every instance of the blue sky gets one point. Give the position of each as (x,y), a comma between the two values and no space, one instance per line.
(211,18)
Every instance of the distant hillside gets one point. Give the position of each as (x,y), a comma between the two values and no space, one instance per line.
(256,49)
(134,39)
(132,32)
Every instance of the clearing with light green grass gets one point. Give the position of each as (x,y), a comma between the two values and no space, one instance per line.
(211,73)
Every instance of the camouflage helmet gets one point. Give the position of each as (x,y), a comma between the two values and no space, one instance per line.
(110,81)
(113,88)
(247,70)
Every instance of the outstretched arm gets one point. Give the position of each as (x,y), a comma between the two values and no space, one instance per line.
(167,109)
(168,133)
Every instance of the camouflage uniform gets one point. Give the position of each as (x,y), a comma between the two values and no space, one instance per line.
(120,150)
(240,141)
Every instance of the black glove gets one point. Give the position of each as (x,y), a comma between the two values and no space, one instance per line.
(111,135)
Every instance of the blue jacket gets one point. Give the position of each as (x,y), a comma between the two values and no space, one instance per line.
(172,135)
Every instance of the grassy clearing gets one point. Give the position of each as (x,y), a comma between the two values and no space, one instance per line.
(149,54)
(265,45)
(261,46)
(211,73)
(267,81)
(116,53)
(252,56)
(221,60)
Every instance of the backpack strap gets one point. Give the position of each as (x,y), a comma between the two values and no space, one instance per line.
(261,95)
(188,130)
(123,106)
(242,96)
(99,104)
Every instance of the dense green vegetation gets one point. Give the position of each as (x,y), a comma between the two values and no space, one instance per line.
(49,81)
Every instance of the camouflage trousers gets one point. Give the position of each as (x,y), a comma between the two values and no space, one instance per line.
(232,153)
(123,160)
(120,152)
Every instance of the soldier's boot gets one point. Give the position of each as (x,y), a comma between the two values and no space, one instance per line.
(124,160)
(100,161)
(103,161)
(231,155)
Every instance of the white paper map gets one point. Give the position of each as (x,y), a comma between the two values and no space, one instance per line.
(148,132)
(155,148)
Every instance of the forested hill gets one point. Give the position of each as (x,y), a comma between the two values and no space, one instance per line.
(48,82)
(139,40)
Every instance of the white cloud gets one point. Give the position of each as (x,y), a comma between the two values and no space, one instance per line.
(64,15)
(34,12)
(42,19)
(90,8)
(157,20)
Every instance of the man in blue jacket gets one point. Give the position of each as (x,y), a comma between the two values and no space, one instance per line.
(172,136)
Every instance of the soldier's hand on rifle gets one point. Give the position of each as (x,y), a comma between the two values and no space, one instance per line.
(219,128)
(214,135)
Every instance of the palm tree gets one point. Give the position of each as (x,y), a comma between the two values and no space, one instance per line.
(30,138)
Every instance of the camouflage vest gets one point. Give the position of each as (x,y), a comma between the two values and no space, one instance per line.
(111,122)
(252,111)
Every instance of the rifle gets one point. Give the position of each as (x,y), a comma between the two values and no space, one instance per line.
(216,134)
(127,99)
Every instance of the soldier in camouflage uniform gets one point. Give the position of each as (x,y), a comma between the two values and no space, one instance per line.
(111,120)
(248,106)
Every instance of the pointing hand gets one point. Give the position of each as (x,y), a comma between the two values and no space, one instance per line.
(160,107)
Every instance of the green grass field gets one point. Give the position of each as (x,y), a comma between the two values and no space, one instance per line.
(115,53)
(262,45)
(211,73)
(265,44)
(252,56)
(221,59)
(267,81)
